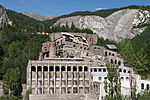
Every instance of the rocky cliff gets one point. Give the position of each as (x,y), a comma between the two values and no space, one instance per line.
(3,16)
(117,26)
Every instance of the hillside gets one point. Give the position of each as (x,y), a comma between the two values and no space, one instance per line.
(114,24)
(39,17)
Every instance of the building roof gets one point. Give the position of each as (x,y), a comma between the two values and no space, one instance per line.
(112,47)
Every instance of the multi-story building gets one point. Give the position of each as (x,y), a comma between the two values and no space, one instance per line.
(72,64)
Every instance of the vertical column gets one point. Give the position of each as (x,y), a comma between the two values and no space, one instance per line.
(36,80)
(71,76)
(60,73)
(66,78)
(48,79)
(42,79)
(54,79)
(78,78)
(83,78)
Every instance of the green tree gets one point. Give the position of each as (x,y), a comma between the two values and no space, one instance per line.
(112,84)
(12,82)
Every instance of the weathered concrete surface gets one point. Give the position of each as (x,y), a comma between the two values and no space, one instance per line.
(63,97)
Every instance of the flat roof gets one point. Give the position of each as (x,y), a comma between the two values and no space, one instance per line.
(109,46)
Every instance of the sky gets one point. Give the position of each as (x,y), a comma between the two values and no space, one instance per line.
(61,7)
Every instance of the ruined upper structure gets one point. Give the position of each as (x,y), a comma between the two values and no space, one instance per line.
(79,45)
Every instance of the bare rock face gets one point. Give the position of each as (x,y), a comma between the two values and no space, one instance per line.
(39,17)
(3,16)
(116,26)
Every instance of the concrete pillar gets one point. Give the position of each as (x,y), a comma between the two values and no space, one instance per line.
(66,78)
(42,79)
(60,73)
(54,78)
(48,79)
(36,80)
(77,77)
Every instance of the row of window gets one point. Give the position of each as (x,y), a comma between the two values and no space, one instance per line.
(122,78)
(115,62)
(143,87)
(57,68)
(109,54)
(104,70)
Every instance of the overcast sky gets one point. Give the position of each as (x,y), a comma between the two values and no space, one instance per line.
(60,7)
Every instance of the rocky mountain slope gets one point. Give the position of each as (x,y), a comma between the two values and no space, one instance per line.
(3,16)
(39,17)
(117,26)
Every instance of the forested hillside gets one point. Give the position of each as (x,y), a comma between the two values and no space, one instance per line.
(136,52)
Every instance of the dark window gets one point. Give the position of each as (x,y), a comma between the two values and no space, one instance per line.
(51,68)
(147,86)
(115,61)
(142,86)
(105,53)
(33,68)
(119,62)
(74,68)
(111,61)
(80,68)
(120,70)
(100,78)
(99,70)
(39,68)
(63,68)
(85,68)
(124,71)
(68,68)
(109,53)
(57,68)
(45,68)
(95,70)
(104,70)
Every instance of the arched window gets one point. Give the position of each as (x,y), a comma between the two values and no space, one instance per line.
(115,61)
(63,68)
(39,68)
(113,54)
(85,68)
(68,68)
(74,68)
(109,53)
(33,69)
(99,70)
(106,53)
(45,68)
(142,86)
(104,70)
(128,71)
(119,63)
(127,78)
(105,78)
(100,78)
(95,70)
(120,70)
(57,68)
(111,61)
(80,68)
(122,78)
(147,86)
(124,71)
(51,68)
